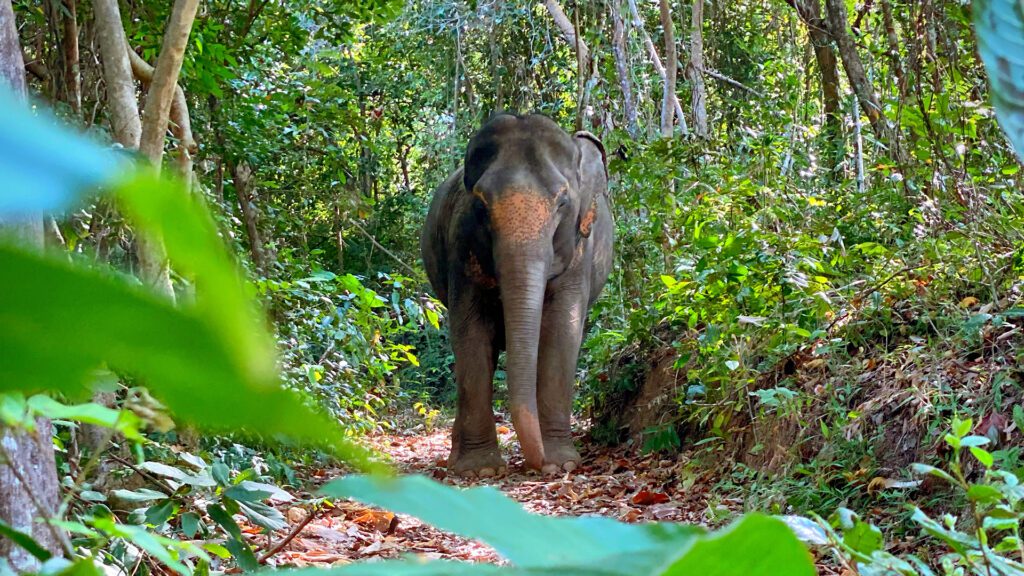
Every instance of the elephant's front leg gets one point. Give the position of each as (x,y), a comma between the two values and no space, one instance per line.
(475,449)
(561,335)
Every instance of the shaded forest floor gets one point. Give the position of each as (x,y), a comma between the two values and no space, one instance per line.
(611,482)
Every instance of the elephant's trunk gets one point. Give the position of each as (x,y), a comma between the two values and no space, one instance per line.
(523,281)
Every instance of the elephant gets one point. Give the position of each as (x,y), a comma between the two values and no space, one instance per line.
(517,244)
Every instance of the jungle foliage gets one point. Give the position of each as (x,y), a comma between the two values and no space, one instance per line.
(826,242)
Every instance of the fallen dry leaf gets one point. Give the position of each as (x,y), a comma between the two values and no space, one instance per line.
(379,520)
(646,498)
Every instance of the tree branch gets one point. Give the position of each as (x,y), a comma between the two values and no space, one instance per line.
(568,30)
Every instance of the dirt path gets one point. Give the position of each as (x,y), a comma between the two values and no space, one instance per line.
(610,483)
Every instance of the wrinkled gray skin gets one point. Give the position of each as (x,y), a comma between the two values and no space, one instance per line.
(517,245)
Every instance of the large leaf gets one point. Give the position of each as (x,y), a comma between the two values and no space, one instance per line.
(488,515)
(184,360)
(754,545)
(587,545)
(211,362)
(999,25)
(43,165)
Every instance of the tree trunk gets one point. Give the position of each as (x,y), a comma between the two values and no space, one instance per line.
(699,91)
(242,175)
(72,73)
(671,67)
(652,53)
(495,53)
(28,490)
(122,105)
(809,12)
(583,62)
(180,118)
(165,79)
(622,67)
(152,255)
(28,470)
(865,92)
(339,237)
(568,31)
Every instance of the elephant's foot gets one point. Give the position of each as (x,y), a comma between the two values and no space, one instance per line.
(560,456)
(481,463)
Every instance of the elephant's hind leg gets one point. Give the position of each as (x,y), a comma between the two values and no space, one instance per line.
(475,449)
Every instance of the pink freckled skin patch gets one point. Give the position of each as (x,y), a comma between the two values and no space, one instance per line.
(520,217)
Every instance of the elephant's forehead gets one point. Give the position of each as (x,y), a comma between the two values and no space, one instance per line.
(520,215)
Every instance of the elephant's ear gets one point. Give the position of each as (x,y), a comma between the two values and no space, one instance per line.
(593,178)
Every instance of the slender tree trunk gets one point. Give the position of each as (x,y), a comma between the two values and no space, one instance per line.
(242,175)
(671,68)
(339,237)
(809,12)
(72,73)
(568,31)
(699,98)
(865,92)
(155,117)
(122,105)
(583,61)
(28,470)
(622,67)
(180,118)
(495,46)
(652,53)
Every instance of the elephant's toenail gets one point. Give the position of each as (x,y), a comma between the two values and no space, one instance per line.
(486,472)
(549,469)
(569,466)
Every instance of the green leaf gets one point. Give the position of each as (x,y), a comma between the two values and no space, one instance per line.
(755,544)
(973,441)
(92,496)
(186,361)
(864,538)
(221,473)
(983,456)
(243,554)
(961,427)
(953,440)
(25,541)
(587,545)
(926,469)
(157,514)
(224,520)
(983,493)
(140,495)
(263,515)
(45,166)
(123,421)
(243,494)
(525,539)
(1000,30)
(189,524)
(217,549)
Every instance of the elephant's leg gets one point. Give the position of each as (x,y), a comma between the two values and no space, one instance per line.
(561,335)
(475,449)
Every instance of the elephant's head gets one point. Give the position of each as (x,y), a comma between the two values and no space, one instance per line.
(538,187)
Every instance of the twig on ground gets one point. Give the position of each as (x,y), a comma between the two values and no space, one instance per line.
(288,538)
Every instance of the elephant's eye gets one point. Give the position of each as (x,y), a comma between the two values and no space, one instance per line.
(563,200)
